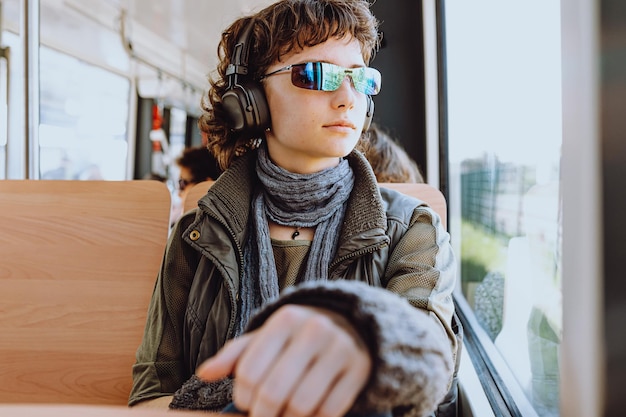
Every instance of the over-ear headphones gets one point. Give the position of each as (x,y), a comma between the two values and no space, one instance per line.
(244,100)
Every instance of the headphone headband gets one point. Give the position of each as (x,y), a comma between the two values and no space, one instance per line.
(239,62)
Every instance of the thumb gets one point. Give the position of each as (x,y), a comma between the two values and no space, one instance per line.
(224,361)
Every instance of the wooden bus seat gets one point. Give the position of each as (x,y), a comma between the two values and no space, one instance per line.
(196,192)
(79,263)
(425,192)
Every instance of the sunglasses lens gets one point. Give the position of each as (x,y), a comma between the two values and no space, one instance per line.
(308,75)
(328,77)
(332,76)
(366,80)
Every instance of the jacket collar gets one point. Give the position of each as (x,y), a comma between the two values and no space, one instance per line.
(230,197)
(365,213)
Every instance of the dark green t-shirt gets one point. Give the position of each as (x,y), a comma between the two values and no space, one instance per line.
(290,257)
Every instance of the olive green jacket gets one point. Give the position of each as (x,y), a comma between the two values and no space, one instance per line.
(388,241)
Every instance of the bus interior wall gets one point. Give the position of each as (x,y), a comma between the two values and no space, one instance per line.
(400,106)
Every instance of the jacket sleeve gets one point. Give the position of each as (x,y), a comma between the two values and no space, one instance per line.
(422,267)
(159,367)
(406,326)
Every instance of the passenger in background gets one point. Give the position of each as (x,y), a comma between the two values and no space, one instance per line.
(196,164)
(389,160)
(298,287)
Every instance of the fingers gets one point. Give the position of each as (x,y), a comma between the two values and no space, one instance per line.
(223,363)
(258,360)
(297,357)
(343,394)
(302,362)
(343,371)
(294,364)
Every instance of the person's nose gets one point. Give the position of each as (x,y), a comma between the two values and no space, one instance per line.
(345,95)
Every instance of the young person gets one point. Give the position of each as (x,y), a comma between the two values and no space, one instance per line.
(299,288)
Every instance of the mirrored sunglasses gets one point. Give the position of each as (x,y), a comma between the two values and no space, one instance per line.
(329,77)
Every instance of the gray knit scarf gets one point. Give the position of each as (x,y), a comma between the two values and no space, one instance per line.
(312,200)
(297,200)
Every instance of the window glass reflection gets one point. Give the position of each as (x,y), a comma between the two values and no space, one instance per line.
(83,120)
(6,41)
(4,114)
(504,114)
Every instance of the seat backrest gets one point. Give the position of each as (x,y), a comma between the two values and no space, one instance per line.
(427,193)
(196,192)
(79,263)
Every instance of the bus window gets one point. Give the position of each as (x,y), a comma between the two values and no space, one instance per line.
(8,41)
(10,102)
(4,110)
(83,119)
(177,131)
(504,132)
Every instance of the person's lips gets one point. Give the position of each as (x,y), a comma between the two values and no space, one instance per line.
(341,124)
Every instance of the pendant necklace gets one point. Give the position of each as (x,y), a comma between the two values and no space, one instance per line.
(296,233)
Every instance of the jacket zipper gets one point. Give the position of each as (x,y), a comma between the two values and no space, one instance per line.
(358,253)
(233,300)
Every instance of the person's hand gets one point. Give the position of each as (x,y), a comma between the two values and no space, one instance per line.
(302,362)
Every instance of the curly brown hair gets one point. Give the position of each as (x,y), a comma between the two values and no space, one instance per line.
(389,160)
(284,27)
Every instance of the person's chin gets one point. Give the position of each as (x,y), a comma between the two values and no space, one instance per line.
(340,151)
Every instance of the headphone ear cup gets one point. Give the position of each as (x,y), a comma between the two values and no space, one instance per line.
(247,110)
(369,115)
